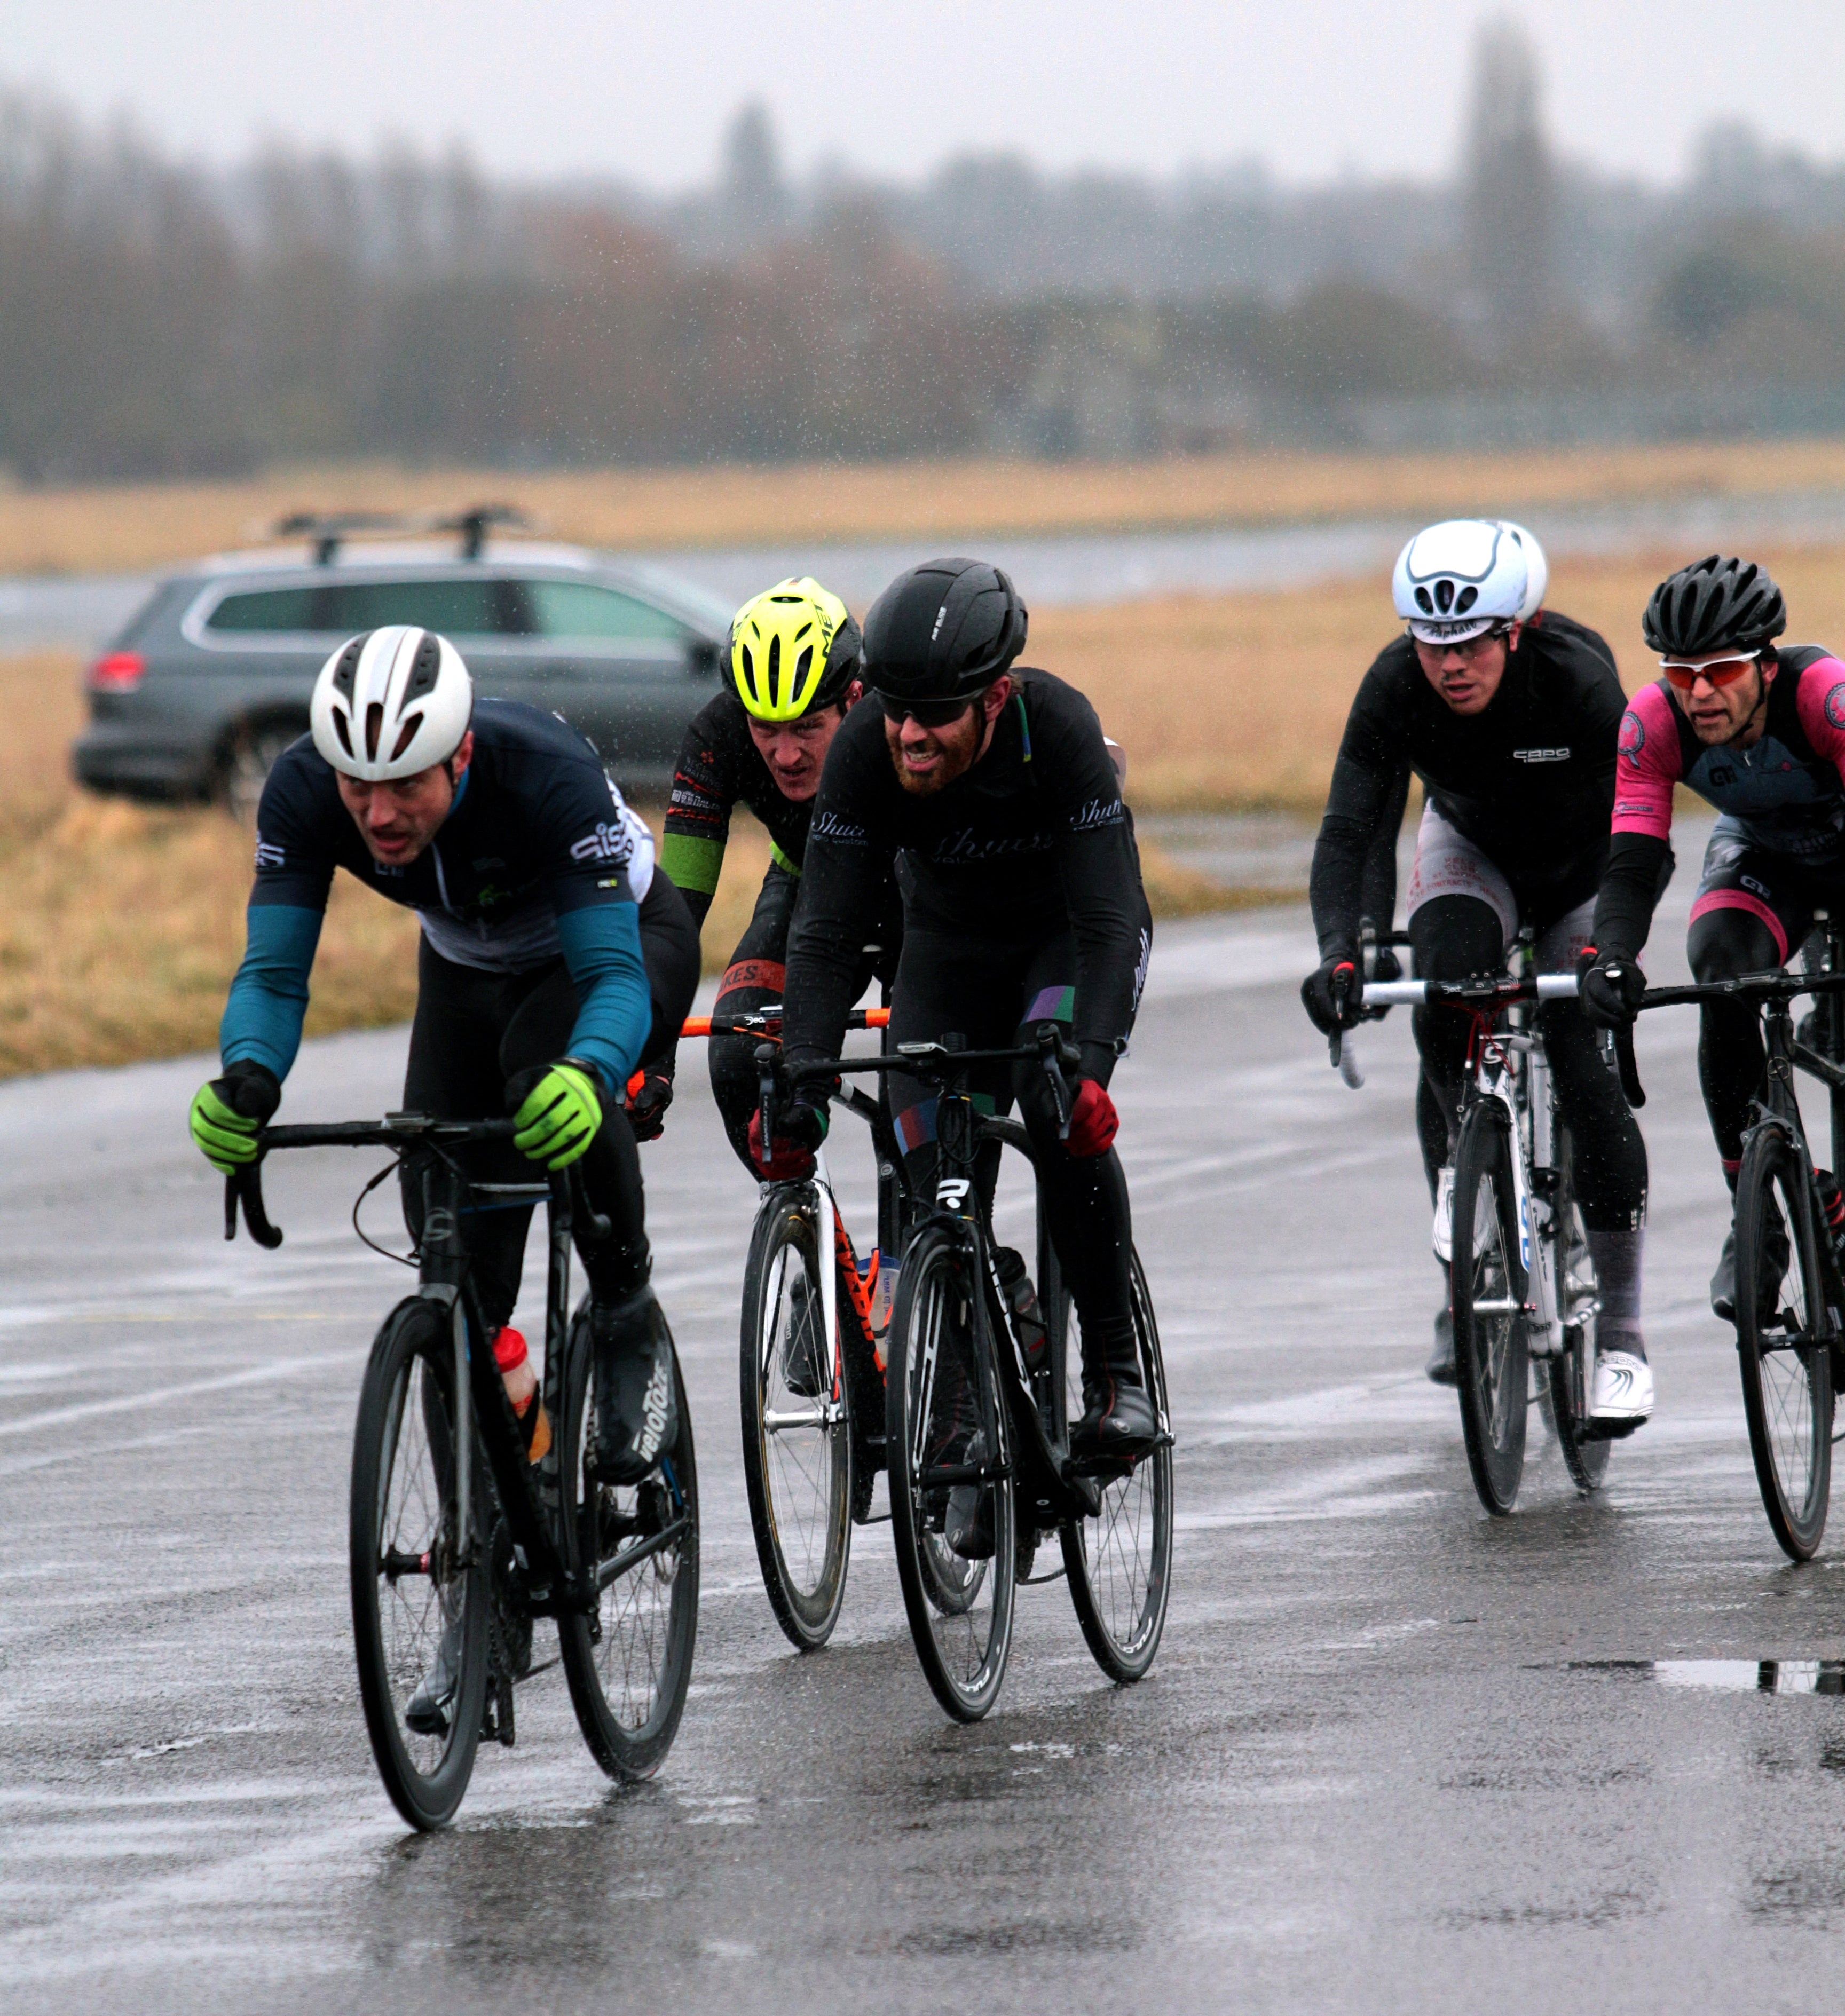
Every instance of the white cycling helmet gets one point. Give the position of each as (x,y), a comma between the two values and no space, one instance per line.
(390,703)
(1463,577)
(1537,570)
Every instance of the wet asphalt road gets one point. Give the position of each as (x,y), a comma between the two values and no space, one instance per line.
(1376,1766)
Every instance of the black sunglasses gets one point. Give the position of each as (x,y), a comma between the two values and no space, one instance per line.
(924,713)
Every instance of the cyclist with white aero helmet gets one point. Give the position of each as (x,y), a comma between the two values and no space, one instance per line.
(760,742)
(552,961)
(1510,714)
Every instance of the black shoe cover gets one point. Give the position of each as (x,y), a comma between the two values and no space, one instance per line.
(1117,1418)
(636,1411)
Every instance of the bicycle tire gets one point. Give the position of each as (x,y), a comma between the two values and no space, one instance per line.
(1491,1364)
(403,1508)
(1120,1590)
(935,1339)
(798,1478)
(638,1637)
(1571,1375)
(1787,1392)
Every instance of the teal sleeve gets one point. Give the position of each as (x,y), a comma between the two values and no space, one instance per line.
(269,999)
(615,1009)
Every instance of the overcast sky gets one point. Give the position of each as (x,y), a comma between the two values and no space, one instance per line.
(1317,87)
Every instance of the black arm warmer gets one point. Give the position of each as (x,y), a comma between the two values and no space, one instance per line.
(1637,866)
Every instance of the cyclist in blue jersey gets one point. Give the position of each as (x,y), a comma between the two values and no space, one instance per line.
(553,961)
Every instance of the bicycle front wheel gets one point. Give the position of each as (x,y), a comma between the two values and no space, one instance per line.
(797,1433)
(418,1580)
(1119,1563)
(1787,1385)
(1487,1277)
(951,1496)
(628,1658)
(1571,1371)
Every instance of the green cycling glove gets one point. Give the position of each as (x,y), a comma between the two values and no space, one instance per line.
(560,1117)
(228,1114)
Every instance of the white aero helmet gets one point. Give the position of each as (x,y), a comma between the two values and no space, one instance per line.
(1464,576)
(390,703)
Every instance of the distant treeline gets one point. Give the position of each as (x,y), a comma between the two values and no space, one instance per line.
(155,321)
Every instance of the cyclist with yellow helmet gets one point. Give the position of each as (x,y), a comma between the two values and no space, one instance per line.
(760,743)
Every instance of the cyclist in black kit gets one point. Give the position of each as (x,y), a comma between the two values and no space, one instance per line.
(552,960)
(759,743)
(1509,714)
(1022,903)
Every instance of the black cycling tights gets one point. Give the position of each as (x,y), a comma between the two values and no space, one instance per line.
(479,1043)
(1457,937)
(1730,1060)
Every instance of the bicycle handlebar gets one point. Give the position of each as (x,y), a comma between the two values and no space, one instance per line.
(244,1189)
(1486,991)
(1778,985)
(759,1021)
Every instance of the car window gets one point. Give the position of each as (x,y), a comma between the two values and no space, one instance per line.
(581,609)
(267,609)
(458,608)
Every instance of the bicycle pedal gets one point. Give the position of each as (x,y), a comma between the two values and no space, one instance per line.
(1594,1430)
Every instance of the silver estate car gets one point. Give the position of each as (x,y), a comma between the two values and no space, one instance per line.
(209,680)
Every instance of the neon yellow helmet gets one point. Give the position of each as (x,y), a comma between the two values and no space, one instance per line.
(793,648)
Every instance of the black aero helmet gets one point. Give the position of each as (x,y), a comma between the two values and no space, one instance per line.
(943,631)
(1718,603)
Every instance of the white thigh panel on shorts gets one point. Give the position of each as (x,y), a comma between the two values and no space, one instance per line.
(1449,864)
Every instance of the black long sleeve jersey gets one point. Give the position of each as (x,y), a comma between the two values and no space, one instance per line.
(1033,838)
(1529,779)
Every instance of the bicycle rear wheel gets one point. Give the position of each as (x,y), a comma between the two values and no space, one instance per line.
(419,1597)
(1119,1564)
(1487,1277)
(628,1660)
(944,1432)
(1787,1385)
(797,1432)
(1571,1373)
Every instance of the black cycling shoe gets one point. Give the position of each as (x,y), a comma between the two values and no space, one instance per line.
(968,1527)
(1440,1367)
(1723,1283)
(803,1358)
(637,1412)
(1118,1417)
(427,1712)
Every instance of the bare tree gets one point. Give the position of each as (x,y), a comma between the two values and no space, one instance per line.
(1511,184)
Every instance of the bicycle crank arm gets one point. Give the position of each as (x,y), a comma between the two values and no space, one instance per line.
(947,1474)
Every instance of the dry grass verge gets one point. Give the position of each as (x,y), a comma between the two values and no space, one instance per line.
(124,527)
(122,923)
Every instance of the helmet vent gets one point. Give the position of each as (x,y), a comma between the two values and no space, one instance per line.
(1444,595)
(801,665)
(775,669)
(374,724)
(344,733)
(1466,598)
(424,668)
(1424,602)
(406,735)
(347,669)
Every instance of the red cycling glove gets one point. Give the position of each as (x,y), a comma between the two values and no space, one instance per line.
(1094,1121)
(791,1154)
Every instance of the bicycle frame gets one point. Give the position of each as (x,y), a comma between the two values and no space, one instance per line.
(549,1585)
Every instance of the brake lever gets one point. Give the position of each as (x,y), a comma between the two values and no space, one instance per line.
(245,1188)
(1623,1056)
(766,1062)
(584,1217)
(1054,1054)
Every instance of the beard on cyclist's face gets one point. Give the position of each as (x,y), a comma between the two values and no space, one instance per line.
(397,820)
(927,760)
(1720,714)
(1467,675)
(794,752)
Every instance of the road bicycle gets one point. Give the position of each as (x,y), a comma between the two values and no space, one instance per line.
(1790,1345)
(977,1415)
(457,1542)
(1522,1286)
(810,1361)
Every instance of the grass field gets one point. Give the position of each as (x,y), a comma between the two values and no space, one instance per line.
(123,924)
(116,529)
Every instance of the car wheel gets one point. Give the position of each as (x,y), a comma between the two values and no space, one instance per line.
(253,748)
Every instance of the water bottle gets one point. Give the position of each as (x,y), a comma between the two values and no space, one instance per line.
(515,1361)
(1021,1297)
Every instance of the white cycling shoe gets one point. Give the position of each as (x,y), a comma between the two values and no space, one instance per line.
(1441,1234)
(1624,1387)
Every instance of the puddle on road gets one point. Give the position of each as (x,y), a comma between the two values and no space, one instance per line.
(1757,1676)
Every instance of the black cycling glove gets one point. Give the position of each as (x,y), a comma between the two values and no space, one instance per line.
(1331,995)
(1610,987)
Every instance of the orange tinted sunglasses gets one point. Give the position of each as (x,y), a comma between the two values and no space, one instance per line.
(1719,671)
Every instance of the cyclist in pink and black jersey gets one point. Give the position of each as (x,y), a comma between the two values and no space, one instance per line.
(1759,731)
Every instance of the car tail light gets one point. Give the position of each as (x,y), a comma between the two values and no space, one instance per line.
(118,672)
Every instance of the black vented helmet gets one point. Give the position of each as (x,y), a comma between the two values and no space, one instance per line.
(943,631)
(1718,604)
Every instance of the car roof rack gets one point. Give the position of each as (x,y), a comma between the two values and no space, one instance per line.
(329,530)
